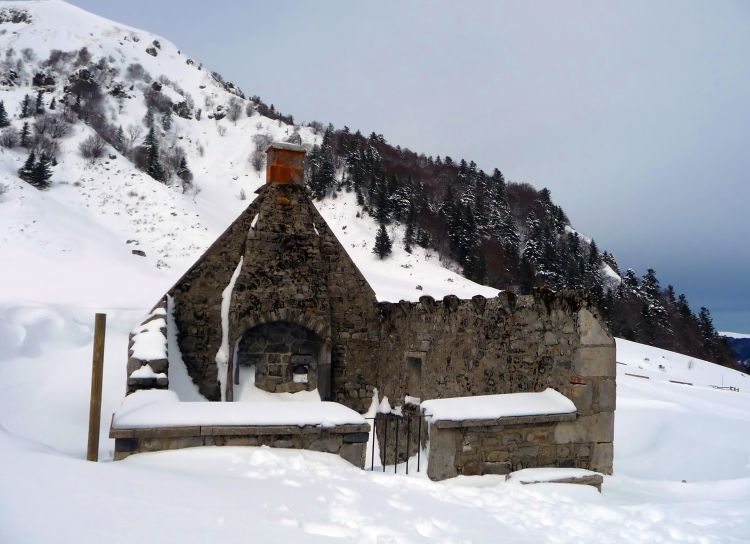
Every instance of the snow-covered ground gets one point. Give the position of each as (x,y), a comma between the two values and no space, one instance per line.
(682,452)
(664,433)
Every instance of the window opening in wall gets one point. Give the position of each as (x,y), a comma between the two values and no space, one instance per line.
(414,375)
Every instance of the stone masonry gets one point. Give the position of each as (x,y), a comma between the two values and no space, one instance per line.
(305,316)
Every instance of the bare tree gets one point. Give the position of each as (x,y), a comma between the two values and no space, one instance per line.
(92,148)
(9,137)
(134,133)
(234,109)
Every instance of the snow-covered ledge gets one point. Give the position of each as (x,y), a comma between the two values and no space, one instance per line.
(148,362)
(497,434)
(153,420)
(508,409)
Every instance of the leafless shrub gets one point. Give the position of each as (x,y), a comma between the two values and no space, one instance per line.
(242,195)
(42,145)
(136,72)
(294,137)
(134,132)
(92,148)
(52,125)
(3,189)
(221,129)
(262,141)
(171,159)
(257,160)
(234,109)
(9,137)
(28,54)
(250,108)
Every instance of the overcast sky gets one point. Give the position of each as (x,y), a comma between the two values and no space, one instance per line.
(636,115)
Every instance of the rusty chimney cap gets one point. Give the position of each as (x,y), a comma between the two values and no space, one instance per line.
(285,163)
(286,147)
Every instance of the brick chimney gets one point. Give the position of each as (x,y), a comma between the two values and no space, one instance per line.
(284,163)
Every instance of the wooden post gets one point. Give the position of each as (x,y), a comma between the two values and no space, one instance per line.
(95,407)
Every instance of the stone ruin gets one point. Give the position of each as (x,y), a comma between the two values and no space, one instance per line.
(277,293)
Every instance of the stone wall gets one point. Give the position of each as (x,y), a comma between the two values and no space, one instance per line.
(506,344)
(159,366)
(294,270)
(499,447)
(347,441)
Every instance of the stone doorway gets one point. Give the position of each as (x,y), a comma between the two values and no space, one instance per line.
(285,358)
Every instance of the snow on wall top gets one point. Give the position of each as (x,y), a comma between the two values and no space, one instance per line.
(161,408)
(546,402)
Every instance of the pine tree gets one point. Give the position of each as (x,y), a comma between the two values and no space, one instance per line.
(52,103)
(39,108)
(148,119)
(184,173)
(706,324)
(166,119)
(4,121)
(119,140)
(683,307)
(25,132)
(153,166)
(25,172)
(26,106)
(41,173)
(383,243)
(526,276)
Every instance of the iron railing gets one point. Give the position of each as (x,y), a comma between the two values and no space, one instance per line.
(384,420)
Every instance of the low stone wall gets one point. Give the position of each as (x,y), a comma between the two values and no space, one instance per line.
(475,447)
(159,366)
(347,441)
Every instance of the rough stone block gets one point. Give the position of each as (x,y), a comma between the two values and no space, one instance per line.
(330,444)
(595,361)
(490,467)
(582,396)
(607,395)
(591,330)
(601,457)
(354,453)
(594,428)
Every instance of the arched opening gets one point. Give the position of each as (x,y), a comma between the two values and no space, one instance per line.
(282,357)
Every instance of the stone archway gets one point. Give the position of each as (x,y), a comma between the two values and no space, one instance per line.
(286,357)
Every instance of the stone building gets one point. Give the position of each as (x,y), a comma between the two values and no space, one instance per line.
(277,300)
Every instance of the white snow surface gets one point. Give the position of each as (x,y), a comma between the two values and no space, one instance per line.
(159,408)
(545,474)
(682,453)
(146,372)
(544,402)
(149,343)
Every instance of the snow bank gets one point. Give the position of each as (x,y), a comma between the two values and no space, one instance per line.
(159,408)
(548,401)
(548,474)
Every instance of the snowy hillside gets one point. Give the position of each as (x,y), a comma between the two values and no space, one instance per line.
(81,231)
(682,450)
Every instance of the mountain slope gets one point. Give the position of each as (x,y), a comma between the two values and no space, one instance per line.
(82,230)
(156,155)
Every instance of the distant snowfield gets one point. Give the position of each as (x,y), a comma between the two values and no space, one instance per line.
(65,255)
